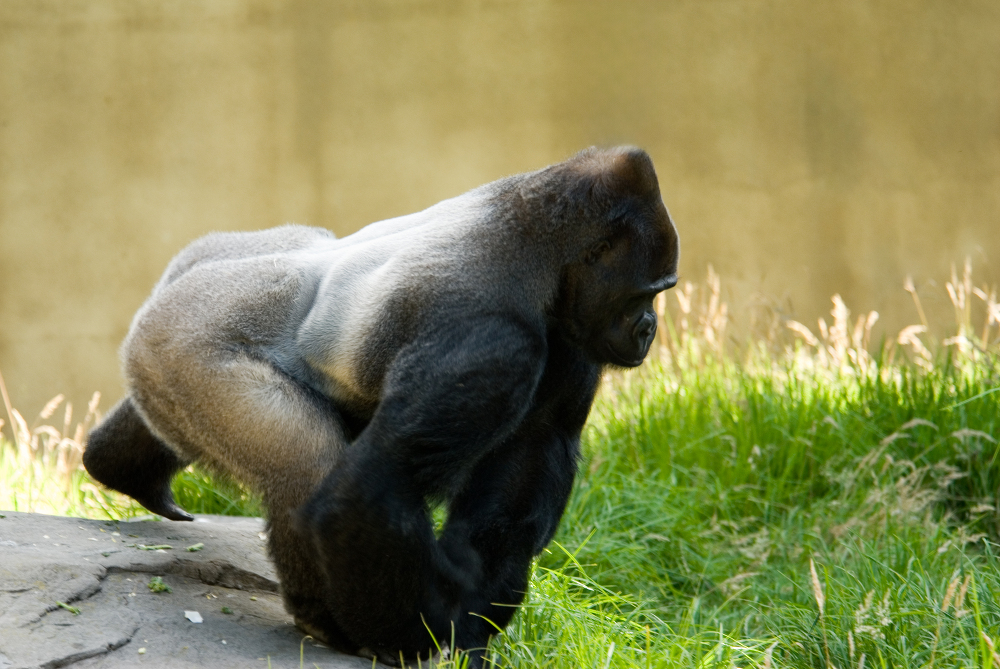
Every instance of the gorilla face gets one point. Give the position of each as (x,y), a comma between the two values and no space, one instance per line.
(609,293)
(626,340)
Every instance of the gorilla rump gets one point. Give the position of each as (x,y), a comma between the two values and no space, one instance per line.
(449,356)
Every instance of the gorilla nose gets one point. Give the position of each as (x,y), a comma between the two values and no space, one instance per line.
(646,327)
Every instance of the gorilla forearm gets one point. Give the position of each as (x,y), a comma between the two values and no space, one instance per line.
(510,508)
(472,579)
(507,515)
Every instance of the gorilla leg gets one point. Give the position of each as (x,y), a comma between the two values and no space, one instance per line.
(510,507)
(124,455)
(303,586)
(240,415)
(507,513)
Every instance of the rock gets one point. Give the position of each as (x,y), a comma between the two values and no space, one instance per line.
(76,592)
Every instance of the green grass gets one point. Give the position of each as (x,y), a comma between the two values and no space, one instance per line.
(814,506)
(708,492)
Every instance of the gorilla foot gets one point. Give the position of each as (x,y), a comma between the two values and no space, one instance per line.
(123,454)
(311,630)
(387,660)
(165,506)
(312,618)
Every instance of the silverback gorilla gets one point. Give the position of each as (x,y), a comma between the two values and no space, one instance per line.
(449,356)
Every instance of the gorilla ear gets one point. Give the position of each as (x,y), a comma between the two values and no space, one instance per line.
(619,172)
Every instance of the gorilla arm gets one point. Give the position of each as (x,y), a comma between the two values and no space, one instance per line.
(450,397)
(511,506)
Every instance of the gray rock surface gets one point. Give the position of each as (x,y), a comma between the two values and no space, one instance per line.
(101,570)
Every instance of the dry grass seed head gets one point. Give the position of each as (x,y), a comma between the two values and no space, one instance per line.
(993,652)
(949,593)
(45,447)
(816,587)
(960,600)
(917,422)
(51,407)
(871,617)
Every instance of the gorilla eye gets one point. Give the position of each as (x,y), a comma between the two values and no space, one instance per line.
(596,251)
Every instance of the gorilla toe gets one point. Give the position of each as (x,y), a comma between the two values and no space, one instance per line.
(165,506)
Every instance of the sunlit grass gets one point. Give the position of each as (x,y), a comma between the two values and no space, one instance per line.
(705,500)
(809,500)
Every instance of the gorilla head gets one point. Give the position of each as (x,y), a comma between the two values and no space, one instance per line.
(606,293)
(449,354)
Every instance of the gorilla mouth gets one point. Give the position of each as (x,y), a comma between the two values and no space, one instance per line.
(618,359)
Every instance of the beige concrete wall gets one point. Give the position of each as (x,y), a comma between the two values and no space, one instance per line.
(804,148)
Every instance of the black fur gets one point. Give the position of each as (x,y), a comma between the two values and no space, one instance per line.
(450,356)
(123,454)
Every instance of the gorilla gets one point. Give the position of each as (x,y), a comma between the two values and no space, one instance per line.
(449,357)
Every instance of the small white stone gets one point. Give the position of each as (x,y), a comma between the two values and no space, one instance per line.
(193,616)
(142,651)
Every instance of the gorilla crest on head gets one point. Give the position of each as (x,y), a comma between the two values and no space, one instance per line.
(450,355)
